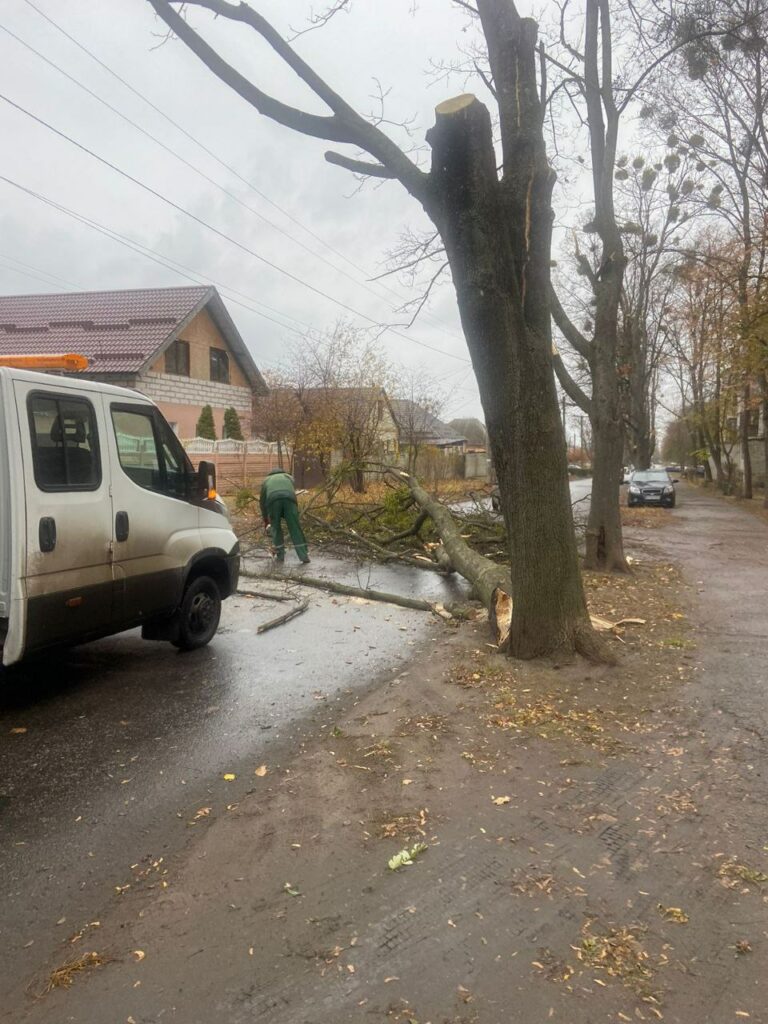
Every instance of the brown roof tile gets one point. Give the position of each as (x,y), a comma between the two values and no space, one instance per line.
(117,330)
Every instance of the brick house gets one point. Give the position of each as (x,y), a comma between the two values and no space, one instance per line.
(178,346)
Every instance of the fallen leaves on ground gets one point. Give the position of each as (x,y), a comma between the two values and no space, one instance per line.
(499,800)
(731,872)
(229,777)
(675,914)
(395,826)
(18,730)
(63,976)
(261,771)
(548,717)
(619,952)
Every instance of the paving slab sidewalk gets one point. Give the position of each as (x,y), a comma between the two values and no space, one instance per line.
(597,839)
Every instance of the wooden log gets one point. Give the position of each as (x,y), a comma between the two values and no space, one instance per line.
(484,575)
(492,583)
(285,617)
(451,610)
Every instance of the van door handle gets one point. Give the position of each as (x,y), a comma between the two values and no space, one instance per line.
(47,534)
(121,526)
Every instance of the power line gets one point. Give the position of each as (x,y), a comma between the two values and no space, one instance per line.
(223,234)
(213,156)
(196,170)
(35,273)
(156,257)
(169,263)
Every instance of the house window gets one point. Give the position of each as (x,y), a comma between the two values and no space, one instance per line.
(219,366)
(177,358)
(65,448)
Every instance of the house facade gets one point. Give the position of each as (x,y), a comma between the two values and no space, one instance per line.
(177,346)
(418,427)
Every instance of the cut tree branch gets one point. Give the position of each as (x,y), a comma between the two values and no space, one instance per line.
(333,587)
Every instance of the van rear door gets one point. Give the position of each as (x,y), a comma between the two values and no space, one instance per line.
(68,566)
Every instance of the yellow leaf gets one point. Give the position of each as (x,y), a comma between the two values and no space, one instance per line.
(261,771)
(499,800)
(18,730)
(229,777)
(407,782)
(139,954)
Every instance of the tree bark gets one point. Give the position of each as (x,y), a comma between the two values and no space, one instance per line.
(605,548)
(497,238)
(746,455)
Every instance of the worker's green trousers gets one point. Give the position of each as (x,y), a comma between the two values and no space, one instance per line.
(287,509)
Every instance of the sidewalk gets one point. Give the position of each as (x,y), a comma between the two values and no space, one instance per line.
(597,838)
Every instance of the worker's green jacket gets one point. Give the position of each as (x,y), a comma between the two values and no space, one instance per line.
(277,484)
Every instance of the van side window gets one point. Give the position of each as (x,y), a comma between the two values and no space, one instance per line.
(65,444)
(149,452)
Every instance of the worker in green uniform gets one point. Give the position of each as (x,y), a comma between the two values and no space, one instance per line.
(278,502)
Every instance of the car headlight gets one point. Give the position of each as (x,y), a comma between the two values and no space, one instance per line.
(634,489)
(666,490)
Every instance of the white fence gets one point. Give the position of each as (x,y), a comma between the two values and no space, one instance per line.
(228,446)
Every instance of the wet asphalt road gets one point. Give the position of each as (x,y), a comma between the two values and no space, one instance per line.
(125,739)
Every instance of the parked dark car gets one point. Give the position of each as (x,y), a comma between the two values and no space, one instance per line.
(651,487)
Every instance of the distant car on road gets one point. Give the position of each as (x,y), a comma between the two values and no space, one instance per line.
(651,487)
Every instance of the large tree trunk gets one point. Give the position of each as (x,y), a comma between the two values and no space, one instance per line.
(497,238)
(746,455)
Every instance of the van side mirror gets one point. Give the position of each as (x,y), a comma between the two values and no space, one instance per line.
(206,480)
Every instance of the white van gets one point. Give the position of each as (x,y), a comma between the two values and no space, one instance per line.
(104,523)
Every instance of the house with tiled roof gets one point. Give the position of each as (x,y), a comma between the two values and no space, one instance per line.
(178,346)
(418,425)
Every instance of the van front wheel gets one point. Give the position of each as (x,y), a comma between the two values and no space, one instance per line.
(199,614)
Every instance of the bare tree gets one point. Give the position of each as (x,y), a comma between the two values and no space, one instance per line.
(720,117)
(279,417)
(417,400)
(339,379)
(705,357)
(495,226)
(654,199)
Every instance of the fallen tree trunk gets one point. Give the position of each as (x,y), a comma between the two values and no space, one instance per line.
(492,583)
(484,575)
(452,611)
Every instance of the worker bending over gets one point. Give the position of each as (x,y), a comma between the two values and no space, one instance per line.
(278,502)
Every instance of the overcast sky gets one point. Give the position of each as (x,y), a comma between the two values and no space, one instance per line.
(323,234)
